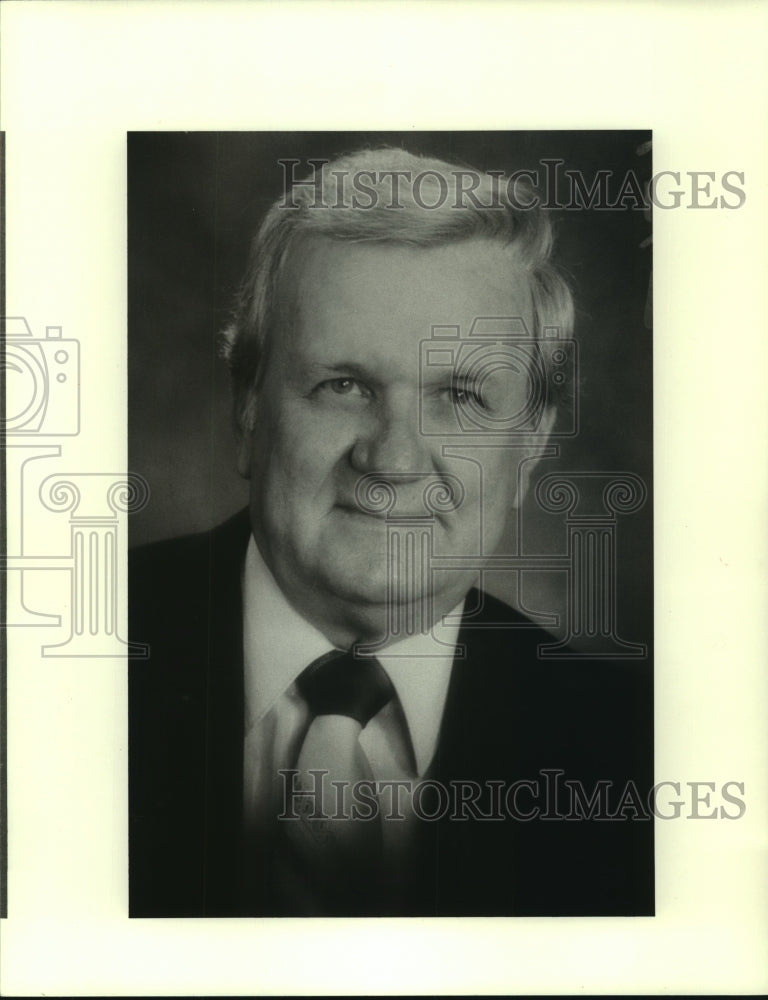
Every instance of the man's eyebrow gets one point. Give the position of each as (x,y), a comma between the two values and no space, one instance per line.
(448,376)
(320,370)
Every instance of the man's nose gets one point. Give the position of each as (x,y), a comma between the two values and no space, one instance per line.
(391,442)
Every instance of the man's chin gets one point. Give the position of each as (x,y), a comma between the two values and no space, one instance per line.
(369,585)
(365,587)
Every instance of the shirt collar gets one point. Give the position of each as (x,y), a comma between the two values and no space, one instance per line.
(279,643)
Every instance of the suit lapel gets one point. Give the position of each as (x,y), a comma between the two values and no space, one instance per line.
(484,711)
(465,866)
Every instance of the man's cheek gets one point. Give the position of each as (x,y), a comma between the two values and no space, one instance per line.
(316,433)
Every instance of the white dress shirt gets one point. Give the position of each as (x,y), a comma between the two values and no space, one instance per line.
(279,644)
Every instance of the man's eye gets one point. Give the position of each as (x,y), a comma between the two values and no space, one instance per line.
(343,386)
(463,395)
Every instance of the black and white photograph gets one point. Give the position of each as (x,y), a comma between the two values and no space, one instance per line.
(392,593)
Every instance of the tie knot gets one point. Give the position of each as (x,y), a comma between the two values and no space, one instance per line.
(339,684)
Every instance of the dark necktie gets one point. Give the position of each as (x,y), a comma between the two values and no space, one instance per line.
(333,863)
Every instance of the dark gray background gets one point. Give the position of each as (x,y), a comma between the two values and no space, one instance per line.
(193,202)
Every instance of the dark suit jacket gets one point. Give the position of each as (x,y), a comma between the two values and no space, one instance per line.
(509,716)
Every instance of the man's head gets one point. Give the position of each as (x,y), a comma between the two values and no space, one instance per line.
(332,390)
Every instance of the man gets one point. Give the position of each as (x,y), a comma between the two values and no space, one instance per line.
(332,720)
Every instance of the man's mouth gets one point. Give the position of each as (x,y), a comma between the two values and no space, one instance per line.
(400,514)
(352,508)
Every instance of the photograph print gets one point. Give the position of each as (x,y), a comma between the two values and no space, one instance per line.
(391,598)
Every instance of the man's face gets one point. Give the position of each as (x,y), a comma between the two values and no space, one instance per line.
(341,399)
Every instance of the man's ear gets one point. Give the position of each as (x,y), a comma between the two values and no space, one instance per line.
(531,455)
(243,440)
(242,419)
